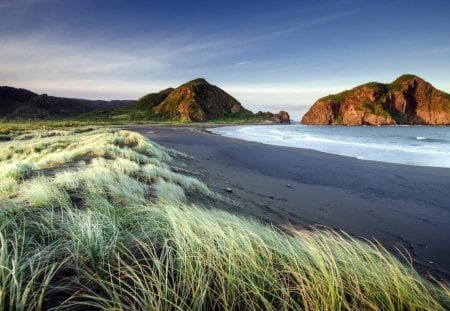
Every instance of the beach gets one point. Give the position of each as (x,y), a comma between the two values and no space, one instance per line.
(403,207)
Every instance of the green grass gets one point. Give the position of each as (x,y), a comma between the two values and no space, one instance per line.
(338,120)
(377,108)
(337,98)
(9,129)
(398,83)
(97,220)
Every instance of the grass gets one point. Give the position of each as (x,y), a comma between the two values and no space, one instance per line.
(96,220)
(398,83)
(10,129)
(377,108)
(337,98)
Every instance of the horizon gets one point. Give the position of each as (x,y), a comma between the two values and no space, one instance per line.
(268,56)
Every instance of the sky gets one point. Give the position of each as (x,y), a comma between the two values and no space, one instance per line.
(270,55)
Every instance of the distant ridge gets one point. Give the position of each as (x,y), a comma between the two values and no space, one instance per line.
(193,101)
(407,100)
(23,104)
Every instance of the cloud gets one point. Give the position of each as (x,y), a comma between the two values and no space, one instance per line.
(47,61)
(308,24)
(58,64)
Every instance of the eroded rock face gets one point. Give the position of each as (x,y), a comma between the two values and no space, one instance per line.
(407,100)
(198,101)
(282,117)
(323,112)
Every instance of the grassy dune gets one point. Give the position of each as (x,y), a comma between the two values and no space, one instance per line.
(97,220)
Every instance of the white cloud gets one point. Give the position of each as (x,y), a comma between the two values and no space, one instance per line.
(308,24)
(244,63)
(53,65)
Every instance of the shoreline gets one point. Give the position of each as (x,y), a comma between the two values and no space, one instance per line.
(401,206)
(404,153)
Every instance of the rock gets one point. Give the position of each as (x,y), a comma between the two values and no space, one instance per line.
(407,100)
(281,117)
(198,101)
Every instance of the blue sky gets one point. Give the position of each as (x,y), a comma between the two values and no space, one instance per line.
(270,55)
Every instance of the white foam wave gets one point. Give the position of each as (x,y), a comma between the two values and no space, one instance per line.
(379,144)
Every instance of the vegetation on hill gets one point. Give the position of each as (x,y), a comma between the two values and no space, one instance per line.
(194,101)
(199,101)
(152,100)
(97,220)
(407,100)
(23,104)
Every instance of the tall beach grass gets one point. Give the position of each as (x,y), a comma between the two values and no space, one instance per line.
(97,220)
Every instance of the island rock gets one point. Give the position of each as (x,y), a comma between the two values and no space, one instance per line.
(282,117)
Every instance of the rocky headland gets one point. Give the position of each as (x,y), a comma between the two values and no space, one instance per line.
(407,100)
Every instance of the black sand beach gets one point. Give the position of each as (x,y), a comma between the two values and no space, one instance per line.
(401,206)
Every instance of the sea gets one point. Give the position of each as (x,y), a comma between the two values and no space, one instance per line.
(410,145)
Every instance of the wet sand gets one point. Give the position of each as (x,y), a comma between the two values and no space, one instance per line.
(401,206)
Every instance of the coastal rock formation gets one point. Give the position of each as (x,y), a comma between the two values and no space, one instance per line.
(23,104)
(198,101)
(407,100)
(282,117)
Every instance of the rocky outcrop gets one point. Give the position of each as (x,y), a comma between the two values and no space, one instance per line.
(199,101)
(282,117)
(407,100)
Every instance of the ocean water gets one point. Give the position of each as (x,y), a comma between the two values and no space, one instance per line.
(411,145)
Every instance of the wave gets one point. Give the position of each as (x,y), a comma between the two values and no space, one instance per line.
(430,148)
(294,137)
(431,140)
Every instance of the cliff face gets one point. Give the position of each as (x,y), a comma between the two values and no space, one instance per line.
(407,100)
(198,101)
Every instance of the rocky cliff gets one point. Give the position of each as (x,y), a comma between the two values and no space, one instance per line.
(198,101)
(407,100)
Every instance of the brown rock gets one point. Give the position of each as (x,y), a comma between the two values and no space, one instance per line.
(198,101)
(324,113)
(281,117)
(407,100)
